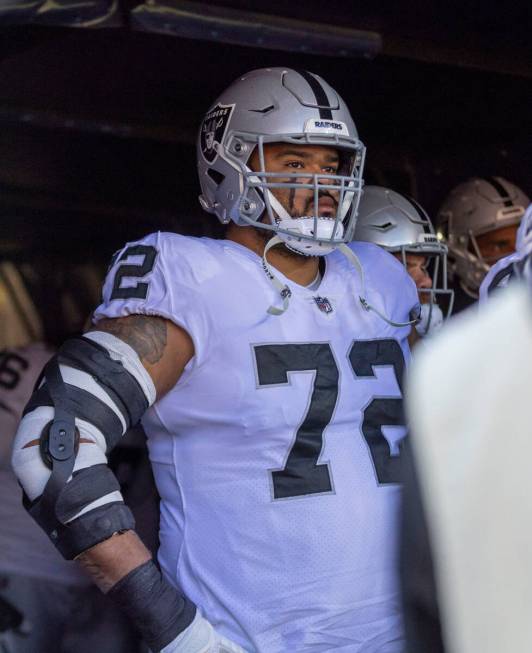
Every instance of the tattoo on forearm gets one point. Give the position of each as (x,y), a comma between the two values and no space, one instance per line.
(146,334)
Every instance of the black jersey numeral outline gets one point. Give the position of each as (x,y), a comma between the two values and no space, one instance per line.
(365,356)
(302,475)
(140,290)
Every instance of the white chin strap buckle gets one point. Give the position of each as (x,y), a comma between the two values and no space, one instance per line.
(310,227)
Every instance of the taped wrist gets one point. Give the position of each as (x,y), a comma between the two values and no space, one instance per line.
(156,608)
(92,391)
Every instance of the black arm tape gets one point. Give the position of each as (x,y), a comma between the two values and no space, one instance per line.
(86,486)
(84,405)
(156,608)
(92,528)
(86,355)
(62,499)
(53,510)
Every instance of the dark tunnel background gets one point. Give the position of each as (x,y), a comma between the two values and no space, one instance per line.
(98,126)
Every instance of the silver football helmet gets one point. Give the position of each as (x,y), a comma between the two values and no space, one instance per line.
(401,225)
(273,105)
(473,208)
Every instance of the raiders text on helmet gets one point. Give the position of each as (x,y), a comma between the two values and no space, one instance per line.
(279,105)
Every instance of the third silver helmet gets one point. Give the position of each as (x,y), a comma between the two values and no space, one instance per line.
(473,208)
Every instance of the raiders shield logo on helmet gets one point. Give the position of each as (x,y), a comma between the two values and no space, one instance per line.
(213,129)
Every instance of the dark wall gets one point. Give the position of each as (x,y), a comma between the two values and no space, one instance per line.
(97,130)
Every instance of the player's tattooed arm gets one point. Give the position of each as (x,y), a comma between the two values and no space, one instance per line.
(163,348)
(147,335)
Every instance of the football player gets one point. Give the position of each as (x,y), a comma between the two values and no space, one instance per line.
(479,221)
(273,363)
(401,226)
(504,270)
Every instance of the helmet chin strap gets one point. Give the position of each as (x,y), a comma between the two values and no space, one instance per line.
(353,258)
(285,292)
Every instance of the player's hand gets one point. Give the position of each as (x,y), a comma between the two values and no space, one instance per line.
(200,637)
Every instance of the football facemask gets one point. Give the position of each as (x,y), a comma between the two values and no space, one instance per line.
(278,105)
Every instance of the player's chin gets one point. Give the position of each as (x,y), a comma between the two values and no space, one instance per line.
(286,251)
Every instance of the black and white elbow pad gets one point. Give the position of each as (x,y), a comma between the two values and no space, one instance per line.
(91,392)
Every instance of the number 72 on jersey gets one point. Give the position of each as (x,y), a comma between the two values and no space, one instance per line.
(302,474)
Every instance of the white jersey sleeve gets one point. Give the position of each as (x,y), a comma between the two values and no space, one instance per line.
(157,276)
(498,276)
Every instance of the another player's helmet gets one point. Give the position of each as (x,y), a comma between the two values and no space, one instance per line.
(275,105)
(473,208)
(401,225)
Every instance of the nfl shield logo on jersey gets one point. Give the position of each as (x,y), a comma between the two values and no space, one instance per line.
(213,129)
(323,304)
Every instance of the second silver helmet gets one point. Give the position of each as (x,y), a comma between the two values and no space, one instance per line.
(400,225)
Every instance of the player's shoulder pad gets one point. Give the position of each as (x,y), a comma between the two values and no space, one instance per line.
(161,275)
(190,260)
(497,275)
(386,275)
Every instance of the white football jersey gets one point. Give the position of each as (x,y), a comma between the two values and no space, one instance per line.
(24,547)
(500,274)
(276,454)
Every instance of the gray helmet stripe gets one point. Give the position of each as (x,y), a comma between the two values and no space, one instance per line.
(417,206)
(319,93)
(421,212)
(500,189)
